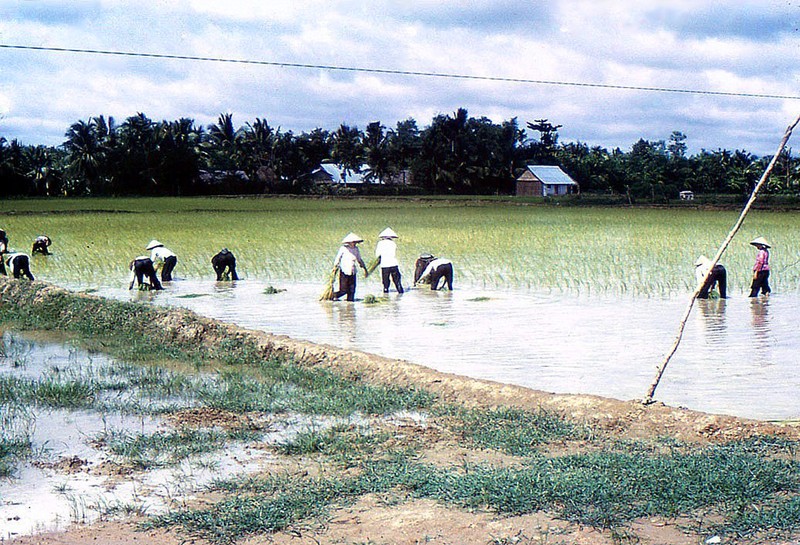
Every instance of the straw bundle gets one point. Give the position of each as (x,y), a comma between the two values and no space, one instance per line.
(327,295)
(372,265)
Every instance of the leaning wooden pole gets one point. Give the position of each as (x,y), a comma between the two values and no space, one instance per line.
(764,177)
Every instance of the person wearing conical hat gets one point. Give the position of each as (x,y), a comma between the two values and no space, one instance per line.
(348,258)
(717,278)
(386,252)
(163,259)
(761,268)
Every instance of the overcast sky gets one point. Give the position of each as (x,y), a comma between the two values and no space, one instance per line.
(742,47)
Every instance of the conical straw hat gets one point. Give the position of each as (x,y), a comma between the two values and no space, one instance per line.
(702,261)
(352,237)
(388,233)
(153,244)
(760,241)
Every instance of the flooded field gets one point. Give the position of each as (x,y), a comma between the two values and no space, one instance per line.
(738,356)
(82,463)
(582,300)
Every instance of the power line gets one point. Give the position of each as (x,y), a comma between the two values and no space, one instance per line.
(393,72)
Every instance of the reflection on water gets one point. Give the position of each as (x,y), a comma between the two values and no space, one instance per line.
(737,355)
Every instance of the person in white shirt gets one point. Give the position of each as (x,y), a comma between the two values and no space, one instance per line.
(163,259)
(386,252)
(140,267)
(430,269)
(717,278)
(347,259)
(18,263)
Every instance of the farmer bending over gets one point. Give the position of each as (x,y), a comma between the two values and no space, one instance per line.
(41,245)
(140,267)
(222,261)
(430,269)
(717,278)
(19,264)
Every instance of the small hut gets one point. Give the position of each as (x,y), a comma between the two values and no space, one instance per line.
(545,181)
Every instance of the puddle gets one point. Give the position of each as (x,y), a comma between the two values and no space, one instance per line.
(70,479)
(737,355)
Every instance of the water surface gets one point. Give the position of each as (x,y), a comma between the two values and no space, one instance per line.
(737,355)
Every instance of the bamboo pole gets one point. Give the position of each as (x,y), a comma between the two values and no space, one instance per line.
(661,368)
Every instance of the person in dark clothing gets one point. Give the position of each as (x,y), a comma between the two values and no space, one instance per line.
(717,279)
(142,267)
(430,269)
(224,264)
(3,242)
(18,263)
(41,245)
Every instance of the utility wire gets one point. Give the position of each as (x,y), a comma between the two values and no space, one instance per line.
(392,72)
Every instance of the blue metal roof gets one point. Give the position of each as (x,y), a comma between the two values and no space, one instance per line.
(551,175)
(339,176)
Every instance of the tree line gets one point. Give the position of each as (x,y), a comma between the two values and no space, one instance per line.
(454,154)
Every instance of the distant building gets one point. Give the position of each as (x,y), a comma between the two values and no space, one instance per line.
(330,173)
(545,181)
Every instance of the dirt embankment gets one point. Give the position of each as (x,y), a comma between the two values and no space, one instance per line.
(626,419)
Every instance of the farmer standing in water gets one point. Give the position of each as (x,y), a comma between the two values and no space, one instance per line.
(346,261)
(761,268)
(386,252)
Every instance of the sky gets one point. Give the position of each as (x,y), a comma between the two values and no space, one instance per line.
(567,59)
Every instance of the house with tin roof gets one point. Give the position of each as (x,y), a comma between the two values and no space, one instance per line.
(331,173)
(545,181)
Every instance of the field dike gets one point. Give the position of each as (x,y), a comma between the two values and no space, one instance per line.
(38,305)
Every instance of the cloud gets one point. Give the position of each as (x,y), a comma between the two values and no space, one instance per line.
(677,44)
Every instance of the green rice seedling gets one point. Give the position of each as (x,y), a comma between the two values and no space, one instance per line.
(270,290)
(632,252)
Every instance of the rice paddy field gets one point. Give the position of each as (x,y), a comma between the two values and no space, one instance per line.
(565,299)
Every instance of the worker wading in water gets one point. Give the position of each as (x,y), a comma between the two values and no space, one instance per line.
(347,260)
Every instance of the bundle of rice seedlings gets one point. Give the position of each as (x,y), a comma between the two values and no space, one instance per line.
(372,265)
(327,295)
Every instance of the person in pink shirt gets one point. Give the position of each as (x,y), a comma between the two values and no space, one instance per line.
(761,268)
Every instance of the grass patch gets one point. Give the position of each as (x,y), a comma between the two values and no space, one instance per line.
(162,449)
(510,430)
(747,491)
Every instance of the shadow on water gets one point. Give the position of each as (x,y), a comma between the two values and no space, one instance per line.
(737,355)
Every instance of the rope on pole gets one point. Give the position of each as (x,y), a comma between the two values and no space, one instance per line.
(648,399)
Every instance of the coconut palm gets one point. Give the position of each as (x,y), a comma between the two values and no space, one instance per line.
(85,158)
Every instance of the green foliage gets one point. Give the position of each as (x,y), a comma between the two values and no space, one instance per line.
(598,489)
(454,154)
(511,430)
(596,250)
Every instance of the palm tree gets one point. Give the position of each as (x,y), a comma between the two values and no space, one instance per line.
(224,143)
(86,158)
